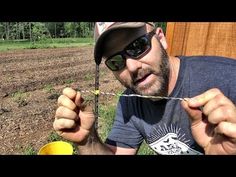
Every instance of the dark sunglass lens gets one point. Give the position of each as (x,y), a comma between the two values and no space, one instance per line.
(138,47)
(115,63)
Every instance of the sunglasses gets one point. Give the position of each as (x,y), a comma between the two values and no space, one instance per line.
(135,50)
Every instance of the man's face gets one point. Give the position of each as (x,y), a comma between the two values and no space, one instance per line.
(148,75)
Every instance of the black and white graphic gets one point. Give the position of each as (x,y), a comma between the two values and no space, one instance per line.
(170,141)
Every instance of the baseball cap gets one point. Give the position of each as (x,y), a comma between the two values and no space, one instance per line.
(102,29)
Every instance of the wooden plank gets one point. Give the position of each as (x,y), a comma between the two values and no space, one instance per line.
(196,38)
(169,35)
(222,39)
(201,38)
(178,38)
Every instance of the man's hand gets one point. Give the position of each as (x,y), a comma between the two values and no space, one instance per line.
(213,128)
(73,121)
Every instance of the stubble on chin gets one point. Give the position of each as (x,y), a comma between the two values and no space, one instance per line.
(152,89)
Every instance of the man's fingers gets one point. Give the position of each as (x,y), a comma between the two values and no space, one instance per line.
(66,102)
(73,96)
(218,101)
(60,124)
(66,113)
(69,92)
(222,113)
(86,118)
(202,99)
(226,128)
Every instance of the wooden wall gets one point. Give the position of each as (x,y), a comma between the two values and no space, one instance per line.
(201,38)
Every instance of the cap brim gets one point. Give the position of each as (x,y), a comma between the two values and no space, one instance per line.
(98,49)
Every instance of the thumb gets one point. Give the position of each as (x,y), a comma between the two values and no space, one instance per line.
(86,115)
(195,114)
(83,104)
(199,124)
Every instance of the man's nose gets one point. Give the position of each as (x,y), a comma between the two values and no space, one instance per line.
(133,65)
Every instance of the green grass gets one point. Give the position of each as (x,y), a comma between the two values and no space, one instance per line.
(29,150)
(69,81)
(107,114)
(53,136)
(48,88)
(145,150)
(19,95)
(88,77)
(45,43)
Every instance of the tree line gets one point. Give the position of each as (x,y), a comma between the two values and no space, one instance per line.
(34,31)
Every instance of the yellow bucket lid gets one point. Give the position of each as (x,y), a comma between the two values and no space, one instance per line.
(56,148)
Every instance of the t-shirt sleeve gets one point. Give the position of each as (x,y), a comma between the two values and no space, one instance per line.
(123,133)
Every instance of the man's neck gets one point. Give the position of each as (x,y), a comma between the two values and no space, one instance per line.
(174,72)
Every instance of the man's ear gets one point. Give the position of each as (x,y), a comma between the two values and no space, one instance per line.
(161,37)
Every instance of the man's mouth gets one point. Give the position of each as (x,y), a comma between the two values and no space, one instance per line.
(141,79)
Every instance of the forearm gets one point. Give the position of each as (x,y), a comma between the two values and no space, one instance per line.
(93,146)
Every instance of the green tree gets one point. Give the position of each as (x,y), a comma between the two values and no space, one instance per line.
(2,30)
(70,29)
(85,29)
(39,31)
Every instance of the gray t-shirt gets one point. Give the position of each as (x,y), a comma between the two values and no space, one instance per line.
(164,124)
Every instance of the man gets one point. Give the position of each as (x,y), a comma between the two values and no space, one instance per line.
(204,122)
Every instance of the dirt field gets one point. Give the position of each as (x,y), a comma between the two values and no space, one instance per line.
(31,81)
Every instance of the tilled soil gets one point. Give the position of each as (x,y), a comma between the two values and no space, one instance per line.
(31,81)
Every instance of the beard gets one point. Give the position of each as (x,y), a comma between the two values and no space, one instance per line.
(159,87)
